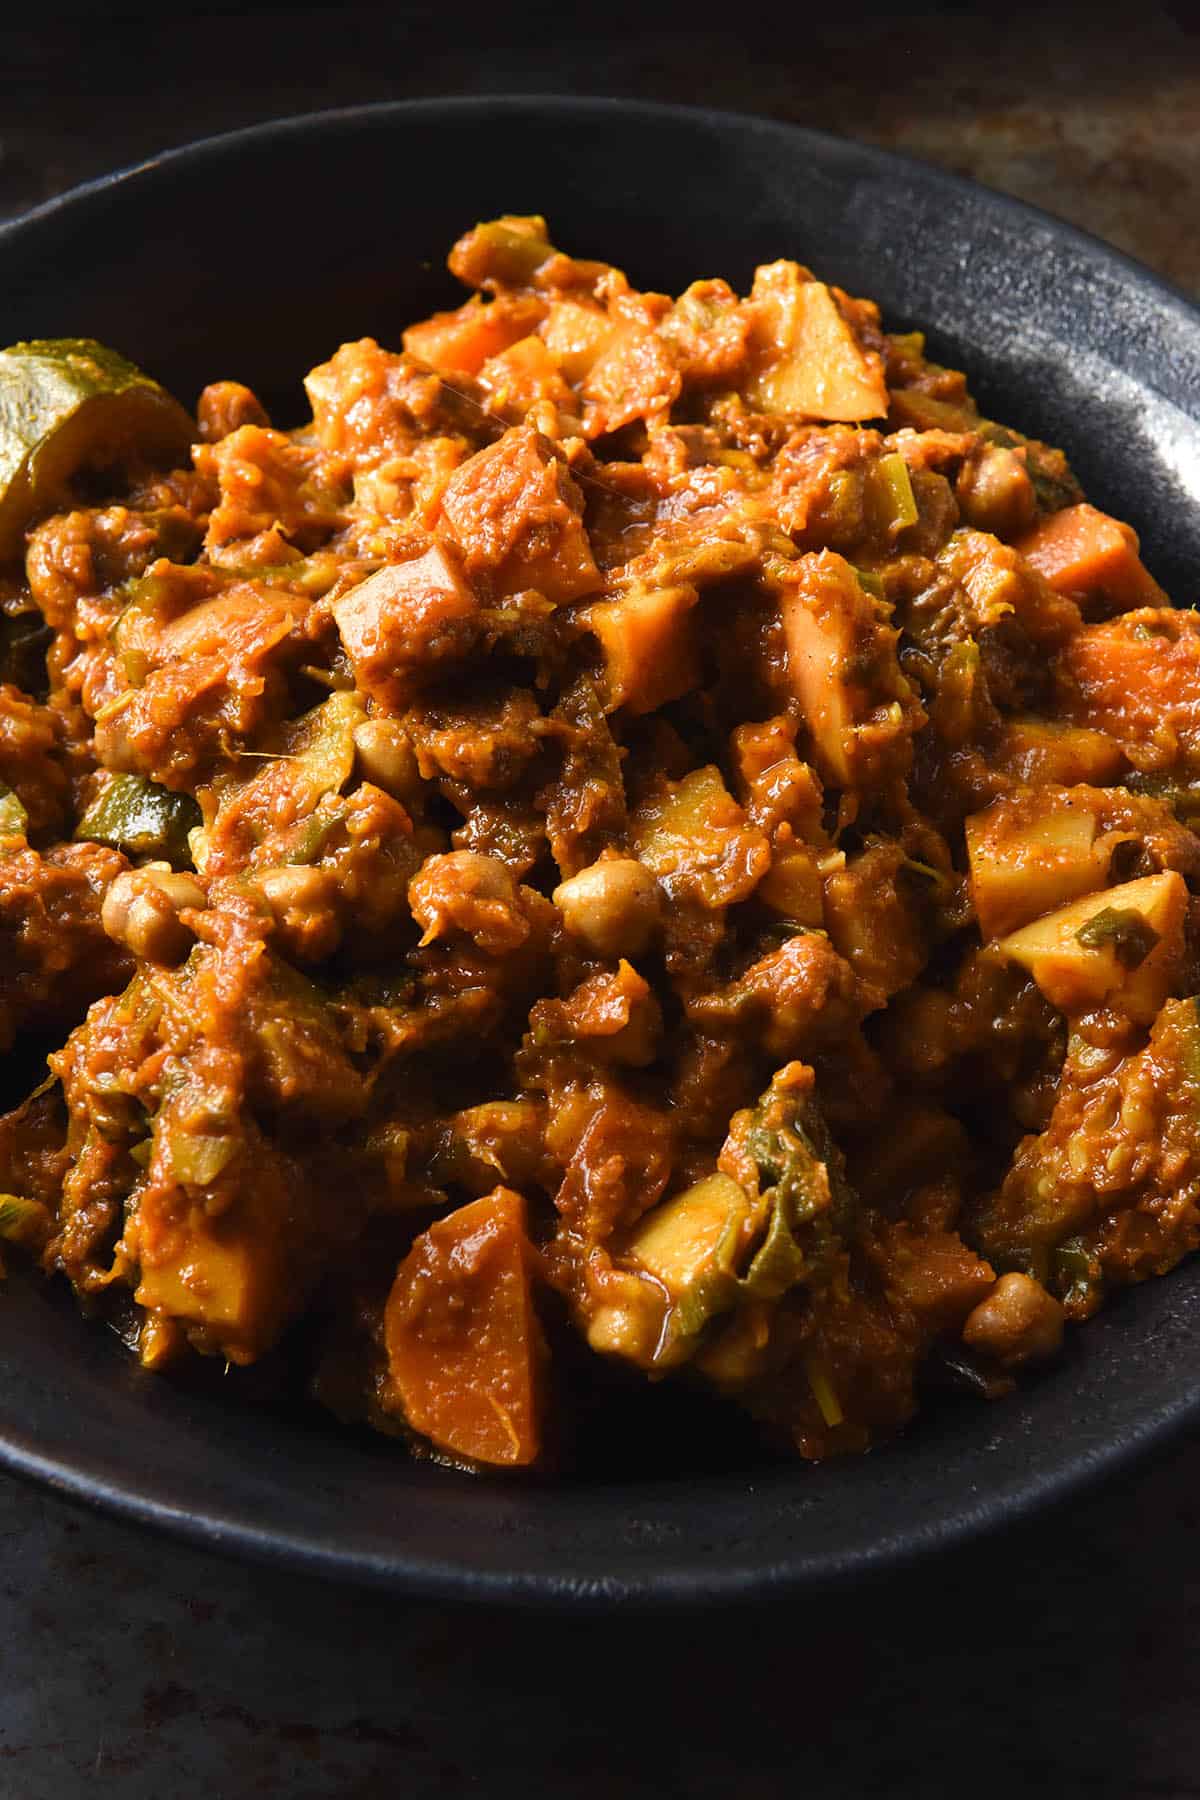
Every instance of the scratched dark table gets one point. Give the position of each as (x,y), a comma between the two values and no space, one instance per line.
(1063,1659)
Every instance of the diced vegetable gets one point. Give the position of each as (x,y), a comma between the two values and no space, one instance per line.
(792,886)
(892,492)
(1085,552)
(1106,1194)
(925,412)
(811,363)
(276,799)
(67,404)
(577,336)
(694,1245)
(649,648)
(463,1342)
(213,1275)
(799,1171)
(726,1242)
(141,818)
(516,513)
(408,612)
(841,658)
(876,919)
(522,375)
(1000,586)
(502,253)
(1137,678)
(219,1259)
(1031,854)
(1126,943)
(694,836)
(1052,751)
(464,340)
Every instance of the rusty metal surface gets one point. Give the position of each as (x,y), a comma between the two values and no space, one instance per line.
(1064,1658)
(1090,110)
(1060,1661)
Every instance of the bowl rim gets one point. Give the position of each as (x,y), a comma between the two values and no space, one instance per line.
(224,143)
(230,1530)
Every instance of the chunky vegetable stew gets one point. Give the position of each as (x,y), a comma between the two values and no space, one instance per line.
(647,835)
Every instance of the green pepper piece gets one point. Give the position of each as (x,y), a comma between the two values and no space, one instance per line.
(893,492)
(502,253)
(1120,929)
(802,1175)
(141,818)
(1077,1276)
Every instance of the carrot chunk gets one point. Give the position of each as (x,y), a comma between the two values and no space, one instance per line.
(463,1343)
(1081,550)
(1137,678)
(811,361)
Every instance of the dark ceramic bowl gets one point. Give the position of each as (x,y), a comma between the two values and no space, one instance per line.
(253,256)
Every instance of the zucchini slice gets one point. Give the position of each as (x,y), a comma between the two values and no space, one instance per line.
(68,404)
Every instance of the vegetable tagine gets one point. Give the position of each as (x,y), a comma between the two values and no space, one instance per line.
(647,841)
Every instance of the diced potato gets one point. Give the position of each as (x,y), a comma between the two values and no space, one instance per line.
(463,1342)
(226,1275)
(1124,946)
(650,654)
(874,919)
(463,340)
(678,1270)
(693,834)
(404,613)
(842,667)
(774,786)
(698,1231)
(522,375)
(576,336)
(793,888)
(998,582)
(1031,854)
(1041,751)
(217,1282)
(811,363)
(636,375)
(517,515)
(1083,551)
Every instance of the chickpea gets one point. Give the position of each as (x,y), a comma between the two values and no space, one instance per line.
(141,910)
(629,1320)
(303,903)
(995,492)
(1017,1322)
(613,907)
(386,757)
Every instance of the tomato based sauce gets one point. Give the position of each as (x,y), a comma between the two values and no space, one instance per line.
(646,832)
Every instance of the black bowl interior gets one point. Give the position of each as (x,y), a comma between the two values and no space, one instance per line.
(253,256)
